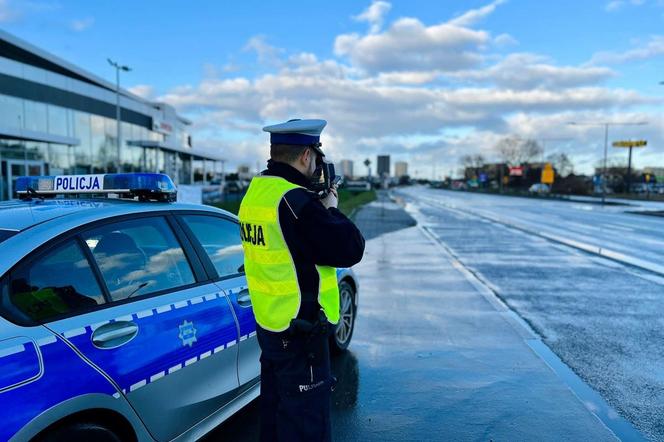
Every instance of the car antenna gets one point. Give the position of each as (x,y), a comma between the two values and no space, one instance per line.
(32,193)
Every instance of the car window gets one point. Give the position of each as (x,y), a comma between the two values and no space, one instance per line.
(221,240)
(59,282)
(138,257)
(4,234)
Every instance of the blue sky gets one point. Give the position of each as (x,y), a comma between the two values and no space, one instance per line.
(424,81)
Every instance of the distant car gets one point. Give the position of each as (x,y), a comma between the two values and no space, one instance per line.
(356,186)
(539,188)
(126,320)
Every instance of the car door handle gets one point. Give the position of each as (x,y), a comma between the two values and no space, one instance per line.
(243,298)
(114,334)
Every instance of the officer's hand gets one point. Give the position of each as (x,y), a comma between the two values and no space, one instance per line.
(332,199)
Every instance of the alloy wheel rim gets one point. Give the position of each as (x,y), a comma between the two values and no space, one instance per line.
(345,326)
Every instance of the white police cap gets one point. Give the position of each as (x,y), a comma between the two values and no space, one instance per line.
(299,132)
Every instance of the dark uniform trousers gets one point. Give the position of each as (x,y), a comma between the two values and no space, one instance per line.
(296,385)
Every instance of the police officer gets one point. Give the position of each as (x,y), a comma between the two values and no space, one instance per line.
(293,242)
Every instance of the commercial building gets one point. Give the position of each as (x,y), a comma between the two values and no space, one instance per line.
(383,165)
(400,169)
(57,119)
(346,168)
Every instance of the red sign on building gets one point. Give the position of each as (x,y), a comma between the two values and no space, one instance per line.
(516,170)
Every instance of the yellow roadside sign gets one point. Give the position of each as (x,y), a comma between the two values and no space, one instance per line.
(548,174)
(630,143)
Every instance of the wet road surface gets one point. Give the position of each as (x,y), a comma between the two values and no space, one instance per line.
(636,236)
(604,319)
(433,358)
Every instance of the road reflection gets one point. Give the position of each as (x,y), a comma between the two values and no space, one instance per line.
(244,426)
(346,368)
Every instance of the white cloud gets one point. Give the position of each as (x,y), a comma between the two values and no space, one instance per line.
(616,5)
(411,90)
(12,10)
(374,15)
(410,45)
(473,16)
(266,53)
(653,48)
(505,40)
(81,24)
(143,90)
(528,71)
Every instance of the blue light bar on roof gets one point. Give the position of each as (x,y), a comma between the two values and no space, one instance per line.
(145,186)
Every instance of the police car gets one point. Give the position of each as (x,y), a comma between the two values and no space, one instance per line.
(125,318)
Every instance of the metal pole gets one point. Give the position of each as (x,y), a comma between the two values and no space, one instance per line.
(117,116)
(629,171)
(606,144)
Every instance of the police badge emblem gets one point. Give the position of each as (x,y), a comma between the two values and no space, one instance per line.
(187,333)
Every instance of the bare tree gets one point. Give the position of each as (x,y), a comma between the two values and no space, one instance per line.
(529,150)
(515,151)
(561,163)
(473,162)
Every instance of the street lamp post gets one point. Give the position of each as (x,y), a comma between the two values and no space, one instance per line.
(118,67)
(606,125)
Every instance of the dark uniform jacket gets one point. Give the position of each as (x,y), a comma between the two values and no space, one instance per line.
(314,235)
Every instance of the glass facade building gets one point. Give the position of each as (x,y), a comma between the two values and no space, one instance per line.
(56,119)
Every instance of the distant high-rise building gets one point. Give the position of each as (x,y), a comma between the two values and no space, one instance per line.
(400,169)
(383,165)
(346,168)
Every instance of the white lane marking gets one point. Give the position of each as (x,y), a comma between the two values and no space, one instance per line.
(619,227)
(144,314)
(230,344)
(243,338)
(47,340)
(75,332)
(159,375)
(137,385)
(252,334)
(210,297)
(218,349)
(12,350)
(96,325)
(164,308)
(116,395)
(174,369)
(190,361)
(206,354)
(180,304)
(125,318)
(197,300)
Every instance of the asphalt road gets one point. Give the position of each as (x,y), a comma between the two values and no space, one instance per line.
(605,320)
(611,226)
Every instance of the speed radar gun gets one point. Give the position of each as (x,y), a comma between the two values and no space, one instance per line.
(324,178)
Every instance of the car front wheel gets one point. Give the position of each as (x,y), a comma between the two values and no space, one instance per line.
(344,329)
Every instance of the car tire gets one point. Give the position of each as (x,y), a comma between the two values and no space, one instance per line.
(343,332)
(80,432)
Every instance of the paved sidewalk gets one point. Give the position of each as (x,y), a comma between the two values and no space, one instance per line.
(433,358)
(381,216)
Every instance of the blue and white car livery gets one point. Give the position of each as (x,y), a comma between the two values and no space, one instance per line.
(125,319)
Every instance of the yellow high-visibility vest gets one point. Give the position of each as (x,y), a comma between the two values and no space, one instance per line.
(268,264)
